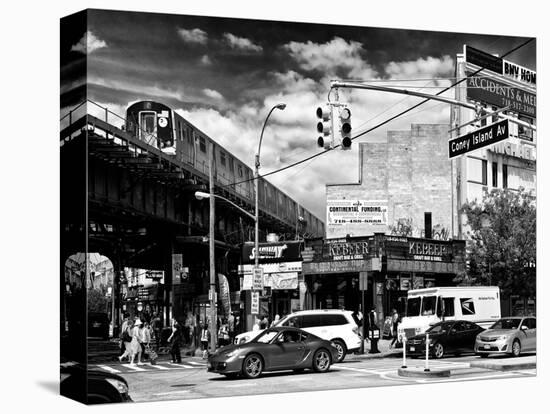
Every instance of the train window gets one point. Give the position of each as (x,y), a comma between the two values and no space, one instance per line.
(147,122)
(222,158)
(202,144)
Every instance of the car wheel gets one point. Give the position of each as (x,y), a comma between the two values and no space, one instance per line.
(341,348)
(439,351)
(253,366)
(321,360)
(516,348)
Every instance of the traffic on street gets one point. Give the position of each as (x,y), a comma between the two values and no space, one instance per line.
(191,379)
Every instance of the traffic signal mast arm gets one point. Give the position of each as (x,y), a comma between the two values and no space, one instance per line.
(355,85)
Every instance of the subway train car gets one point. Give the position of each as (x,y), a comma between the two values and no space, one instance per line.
(160,126)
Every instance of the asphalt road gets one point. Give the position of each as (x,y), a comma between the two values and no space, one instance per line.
(190,380)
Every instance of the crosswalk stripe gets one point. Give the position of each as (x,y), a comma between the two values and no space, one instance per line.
(133,367)
(109,369)
(157,366)
(180,365)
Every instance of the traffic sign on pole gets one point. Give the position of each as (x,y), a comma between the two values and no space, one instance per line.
(480,138)
(257,278)
(255,303)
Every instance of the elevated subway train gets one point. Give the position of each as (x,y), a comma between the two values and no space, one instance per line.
(161,127)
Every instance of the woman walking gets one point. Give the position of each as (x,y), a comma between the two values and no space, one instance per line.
(126,338)
(144,338)
(135,346)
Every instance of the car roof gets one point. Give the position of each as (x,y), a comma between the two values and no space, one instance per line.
(284,328)
(320,311)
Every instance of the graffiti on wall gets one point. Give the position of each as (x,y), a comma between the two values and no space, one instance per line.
(404,227)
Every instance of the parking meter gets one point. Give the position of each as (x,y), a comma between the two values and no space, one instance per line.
(374,333)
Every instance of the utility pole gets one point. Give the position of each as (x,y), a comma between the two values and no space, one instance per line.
(211,242)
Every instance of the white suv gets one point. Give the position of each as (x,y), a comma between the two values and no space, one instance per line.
(334,325)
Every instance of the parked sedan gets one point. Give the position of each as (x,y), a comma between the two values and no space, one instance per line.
(92,386)
(512,335)
(275,349)
(454,337)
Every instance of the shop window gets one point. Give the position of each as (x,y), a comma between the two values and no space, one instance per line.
(523,132)
(222,158)
(477,171)
(495,174)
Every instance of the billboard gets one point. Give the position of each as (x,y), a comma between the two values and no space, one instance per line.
(356,217)
(488,90)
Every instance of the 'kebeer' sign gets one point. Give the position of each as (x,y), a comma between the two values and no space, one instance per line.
(478,139)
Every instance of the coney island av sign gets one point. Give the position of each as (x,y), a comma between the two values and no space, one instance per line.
(478,139)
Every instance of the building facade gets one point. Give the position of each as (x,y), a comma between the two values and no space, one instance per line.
(408,176)
(509,164)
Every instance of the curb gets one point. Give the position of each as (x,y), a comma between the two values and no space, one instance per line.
(366,355)
(420,373)
(503,367)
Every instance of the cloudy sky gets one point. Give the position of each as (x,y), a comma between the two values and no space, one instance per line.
(224,75)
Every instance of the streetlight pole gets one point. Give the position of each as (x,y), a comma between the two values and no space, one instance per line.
(211,234)
(280,106)
(211,243)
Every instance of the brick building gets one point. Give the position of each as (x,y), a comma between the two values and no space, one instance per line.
(409,175)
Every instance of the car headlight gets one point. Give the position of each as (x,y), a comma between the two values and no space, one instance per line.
(231,354)
(119,385)
(502,338)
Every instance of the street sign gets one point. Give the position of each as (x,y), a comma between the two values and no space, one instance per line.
(255,303)
(363,281)
(478,139)
(257,278)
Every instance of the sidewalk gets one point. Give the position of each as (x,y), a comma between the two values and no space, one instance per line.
(383,347)
(506,364)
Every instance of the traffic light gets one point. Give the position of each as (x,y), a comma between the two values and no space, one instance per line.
(324,126)
(345,128)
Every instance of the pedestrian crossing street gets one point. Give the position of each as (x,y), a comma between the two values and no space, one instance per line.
(147,366)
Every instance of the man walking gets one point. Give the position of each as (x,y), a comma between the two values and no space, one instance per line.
(156,324)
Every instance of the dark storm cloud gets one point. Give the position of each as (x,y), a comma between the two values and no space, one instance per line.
(168,51)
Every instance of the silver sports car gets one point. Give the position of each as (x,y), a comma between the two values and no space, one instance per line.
(275,349)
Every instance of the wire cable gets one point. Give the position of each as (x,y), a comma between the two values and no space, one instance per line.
(387,120)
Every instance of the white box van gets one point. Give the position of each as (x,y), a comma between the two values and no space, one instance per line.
(428,306)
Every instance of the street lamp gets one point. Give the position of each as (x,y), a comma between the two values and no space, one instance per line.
(280,106)
(199,195)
